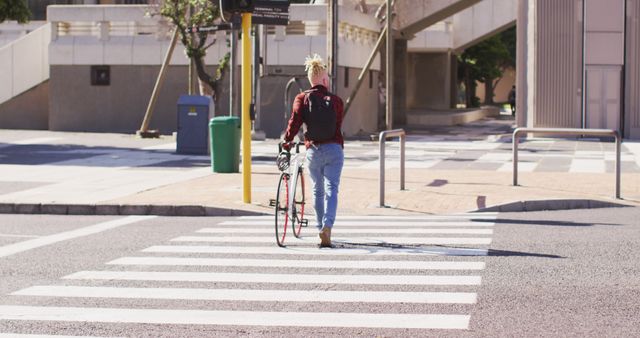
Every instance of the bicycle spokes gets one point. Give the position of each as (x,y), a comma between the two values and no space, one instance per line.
(298,205)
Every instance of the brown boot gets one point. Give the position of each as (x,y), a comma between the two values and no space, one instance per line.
(325,237)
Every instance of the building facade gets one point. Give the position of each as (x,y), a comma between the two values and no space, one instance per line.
(578,64)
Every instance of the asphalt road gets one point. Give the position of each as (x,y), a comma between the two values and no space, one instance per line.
(563,274)
(556,274)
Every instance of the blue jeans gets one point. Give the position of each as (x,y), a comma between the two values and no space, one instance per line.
(325,162)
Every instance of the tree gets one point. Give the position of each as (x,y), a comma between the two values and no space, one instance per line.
(486,62)
(185,14)
(14,10)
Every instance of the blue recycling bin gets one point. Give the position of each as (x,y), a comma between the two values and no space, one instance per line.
(194,112)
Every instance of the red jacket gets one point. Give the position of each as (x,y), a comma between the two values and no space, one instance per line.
(299,106)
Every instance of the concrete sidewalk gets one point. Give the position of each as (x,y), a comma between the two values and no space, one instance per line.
(427,192)
(451,170)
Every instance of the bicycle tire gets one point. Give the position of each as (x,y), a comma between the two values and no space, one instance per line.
(281,210)
(298,202)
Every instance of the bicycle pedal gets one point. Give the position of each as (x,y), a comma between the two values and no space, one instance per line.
(305,223)
(272,202)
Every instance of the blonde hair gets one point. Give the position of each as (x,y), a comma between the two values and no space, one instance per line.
(315,68)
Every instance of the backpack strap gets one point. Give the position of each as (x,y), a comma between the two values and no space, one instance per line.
(307,102)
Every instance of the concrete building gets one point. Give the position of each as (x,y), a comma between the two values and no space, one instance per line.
(565,48)
(578,64)
(129,44)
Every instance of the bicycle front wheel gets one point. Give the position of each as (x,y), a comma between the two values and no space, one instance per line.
(281,211)
(298,200)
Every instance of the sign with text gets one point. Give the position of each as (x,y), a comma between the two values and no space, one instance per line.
(270,12)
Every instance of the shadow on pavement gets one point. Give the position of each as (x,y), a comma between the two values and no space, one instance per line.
(544,222)
(439,250)
(508,253)
(105,156)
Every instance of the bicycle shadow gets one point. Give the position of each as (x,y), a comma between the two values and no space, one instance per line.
(383,247)
(435,250)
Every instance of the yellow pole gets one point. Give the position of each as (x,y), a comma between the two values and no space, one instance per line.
(246,103)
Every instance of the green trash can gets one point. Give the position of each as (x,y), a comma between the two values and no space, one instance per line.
(225,144)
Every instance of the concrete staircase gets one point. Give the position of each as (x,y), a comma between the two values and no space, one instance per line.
(24,63)
(24,89)
(482,20)
(413,16)
(461,29)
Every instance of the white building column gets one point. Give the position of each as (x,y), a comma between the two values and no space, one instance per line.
(525,63)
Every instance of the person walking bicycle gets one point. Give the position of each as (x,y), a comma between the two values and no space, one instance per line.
(321,112)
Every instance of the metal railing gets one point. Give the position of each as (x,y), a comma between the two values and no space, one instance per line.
(567,132)
(383,138)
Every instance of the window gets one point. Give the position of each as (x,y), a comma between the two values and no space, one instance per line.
(100,75)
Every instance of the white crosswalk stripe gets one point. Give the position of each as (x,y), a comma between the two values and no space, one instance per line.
(350,232)
(347,224)
(396,219)
(290,263)
(343,240)
(252,318)
(276,278)
(377,260)
(305,250)
(252,295)
(17,335)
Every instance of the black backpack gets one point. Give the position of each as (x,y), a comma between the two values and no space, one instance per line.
(321,118)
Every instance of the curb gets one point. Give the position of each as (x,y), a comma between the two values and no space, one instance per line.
(121,209)
(200,210)
(548,205)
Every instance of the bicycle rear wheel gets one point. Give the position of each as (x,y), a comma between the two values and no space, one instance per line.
(281,210)
(299,201)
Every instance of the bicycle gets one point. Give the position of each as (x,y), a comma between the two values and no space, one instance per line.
(289,203)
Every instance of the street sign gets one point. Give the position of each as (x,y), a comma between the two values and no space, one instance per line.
(213,28)
(270,12)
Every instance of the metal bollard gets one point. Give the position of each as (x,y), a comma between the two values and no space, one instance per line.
(383,137)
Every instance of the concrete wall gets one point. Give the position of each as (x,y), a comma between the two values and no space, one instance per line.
(28,110)
(365,115)
(12,30)
(571,60)
(428,81)
(525,73)
(482,20)
(604,59)
(412,16)
(24,63)
(632,75)
(76,105)
(362,118)
(132,39)
(134,46)
(558,63)
(436,38)
(400,77)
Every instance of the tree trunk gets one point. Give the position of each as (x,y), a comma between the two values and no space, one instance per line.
(468,88)
(488,92)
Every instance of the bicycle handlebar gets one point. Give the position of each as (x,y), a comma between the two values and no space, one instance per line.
(296,144)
